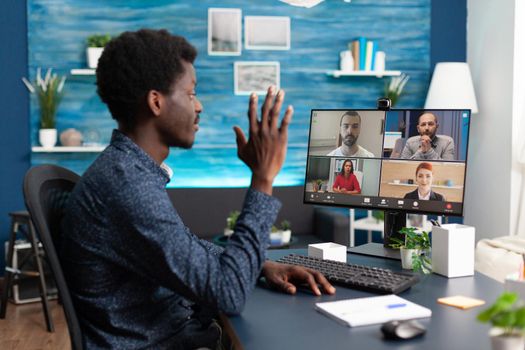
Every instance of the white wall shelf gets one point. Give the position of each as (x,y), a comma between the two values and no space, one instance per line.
(82,71)
(65,149)
(363,73)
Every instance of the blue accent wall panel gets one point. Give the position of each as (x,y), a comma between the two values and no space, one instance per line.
(448,31)
(14,113)
(58,28)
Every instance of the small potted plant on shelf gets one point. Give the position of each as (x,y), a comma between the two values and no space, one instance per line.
(282,234)
(317,185)
(49,90)
(279,235)
(95,46)
(231,220)
(507,316)
(415,249)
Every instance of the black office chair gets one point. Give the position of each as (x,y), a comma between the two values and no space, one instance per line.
(46,191)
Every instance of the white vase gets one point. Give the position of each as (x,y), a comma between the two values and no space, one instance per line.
(506,342)
(47,137)
(379,61)
(346,61)
(286,235)
(93,54)
(406,257)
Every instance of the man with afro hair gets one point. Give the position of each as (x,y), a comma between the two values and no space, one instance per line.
(138,277)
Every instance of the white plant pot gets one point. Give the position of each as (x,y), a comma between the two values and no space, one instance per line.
(228,232)
(286,236)
(93,54)
(506,342)
(47,137)
(281,237)
(406,258)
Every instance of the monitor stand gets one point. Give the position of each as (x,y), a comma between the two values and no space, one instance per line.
(375,249)
(394,221)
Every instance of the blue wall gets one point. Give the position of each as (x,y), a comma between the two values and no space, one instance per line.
(447,43)
(448,31)
(401,28)
(14,116)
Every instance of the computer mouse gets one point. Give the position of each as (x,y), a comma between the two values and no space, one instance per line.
(402,329)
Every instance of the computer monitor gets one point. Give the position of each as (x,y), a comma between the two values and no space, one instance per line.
(401,161)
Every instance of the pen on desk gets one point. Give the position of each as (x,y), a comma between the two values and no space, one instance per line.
(393,306)
(435,223)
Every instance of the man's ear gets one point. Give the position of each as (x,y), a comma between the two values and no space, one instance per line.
(155,102)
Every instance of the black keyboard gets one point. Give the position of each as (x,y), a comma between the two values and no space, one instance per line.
(371,279)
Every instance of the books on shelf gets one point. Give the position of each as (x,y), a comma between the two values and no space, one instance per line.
(364,54)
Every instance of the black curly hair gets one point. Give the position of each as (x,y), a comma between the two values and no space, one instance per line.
(134,63)
(342,172)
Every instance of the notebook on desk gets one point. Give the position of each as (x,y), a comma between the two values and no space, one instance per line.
(372,310)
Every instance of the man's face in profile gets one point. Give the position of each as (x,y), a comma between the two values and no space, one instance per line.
(427,125)
(350,129)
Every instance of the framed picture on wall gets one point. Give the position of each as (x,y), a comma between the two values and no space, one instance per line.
(224,31)
(252,76)
(266,33)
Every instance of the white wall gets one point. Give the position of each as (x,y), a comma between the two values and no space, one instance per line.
(326,129)
(518,129)
(492,183)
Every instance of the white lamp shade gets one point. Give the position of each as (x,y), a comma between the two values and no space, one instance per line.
(451,88)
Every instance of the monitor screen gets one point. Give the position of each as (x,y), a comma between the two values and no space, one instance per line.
(402,160)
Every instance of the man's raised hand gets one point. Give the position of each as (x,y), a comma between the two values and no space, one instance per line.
(265,150)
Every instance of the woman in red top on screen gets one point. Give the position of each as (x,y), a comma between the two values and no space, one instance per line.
(346,181)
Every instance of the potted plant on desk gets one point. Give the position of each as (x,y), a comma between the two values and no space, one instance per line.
(414,249)
(507,316)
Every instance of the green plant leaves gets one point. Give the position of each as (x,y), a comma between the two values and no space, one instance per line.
(421,262)
(231,220)
(98,40)
(420,242)
(49,90)
(507,313)
(413,239)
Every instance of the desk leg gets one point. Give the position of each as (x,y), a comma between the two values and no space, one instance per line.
(230,333)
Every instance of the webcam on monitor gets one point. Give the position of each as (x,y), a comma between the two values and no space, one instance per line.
(384,104)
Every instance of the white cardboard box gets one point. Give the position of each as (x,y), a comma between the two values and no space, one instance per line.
(328,251)
(453,250)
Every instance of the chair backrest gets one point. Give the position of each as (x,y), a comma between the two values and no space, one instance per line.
(46,191)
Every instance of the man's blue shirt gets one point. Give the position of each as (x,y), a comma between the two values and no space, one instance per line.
(136,273)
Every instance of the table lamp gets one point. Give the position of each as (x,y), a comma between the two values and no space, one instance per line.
(451,88)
